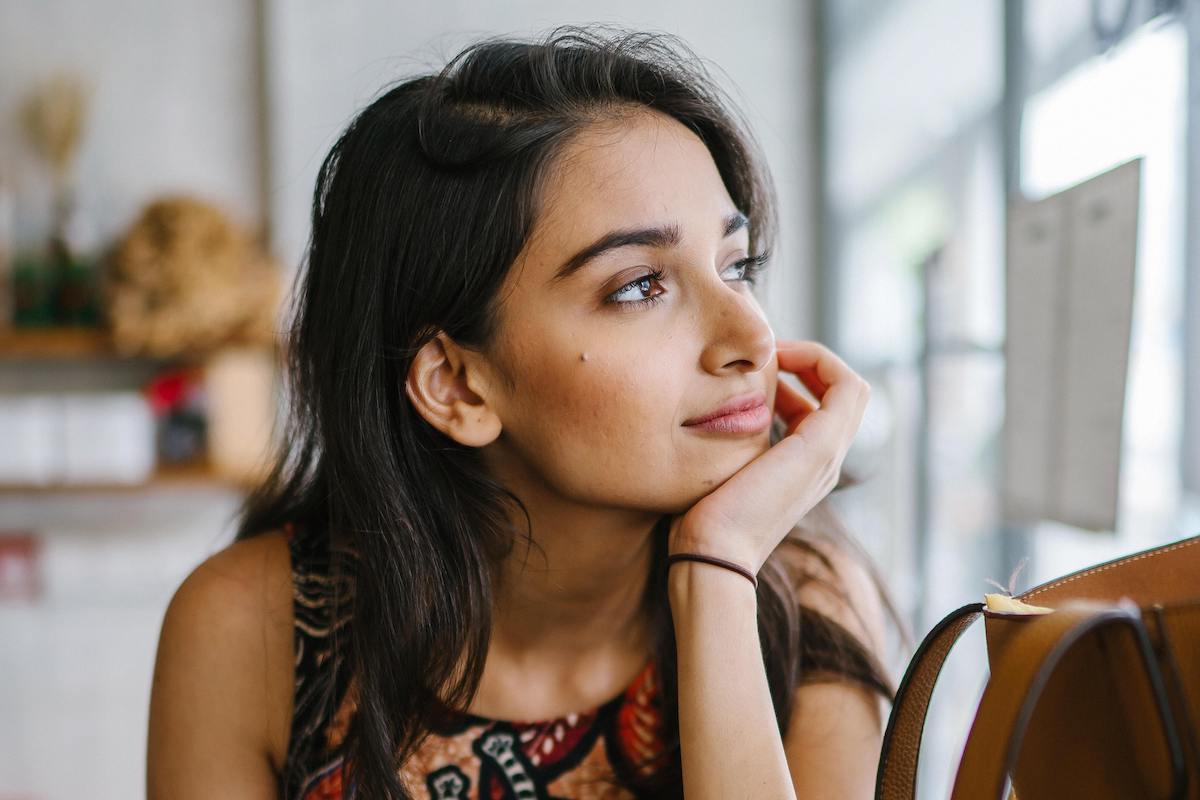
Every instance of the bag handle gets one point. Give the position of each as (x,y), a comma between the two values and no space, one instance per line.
(896,778)
(1022,670)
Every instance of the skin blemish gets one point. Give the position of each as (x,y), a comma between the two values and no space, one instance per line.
(583,356)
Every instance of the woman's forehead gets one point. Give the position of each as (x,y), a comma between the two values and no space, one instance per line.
(648,172)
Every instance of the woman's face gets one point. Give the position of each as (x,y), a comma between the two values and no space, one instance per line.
(607,362)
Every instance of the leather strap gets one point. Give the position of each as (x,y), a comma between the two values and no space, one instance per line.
(896,778)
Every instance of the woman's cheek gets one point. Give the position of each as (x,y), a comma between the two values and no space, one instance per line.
(604,398)
(595,404)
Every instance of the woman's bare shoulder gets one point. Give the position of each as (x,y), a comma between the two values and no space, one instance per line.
(252,574)
(221,700)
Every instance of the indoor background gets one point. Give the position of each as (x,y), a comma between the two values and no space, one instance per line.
(901,135)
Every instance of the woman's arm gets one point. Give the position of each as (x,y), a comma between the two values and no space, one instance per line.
(728,736)
(730,740)
(221,698)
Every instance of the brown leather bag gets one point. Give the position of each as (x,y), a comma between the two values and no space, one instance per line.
(1098,699)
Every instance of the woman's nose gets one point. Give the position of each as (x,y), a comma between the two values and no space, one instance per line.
(739,336)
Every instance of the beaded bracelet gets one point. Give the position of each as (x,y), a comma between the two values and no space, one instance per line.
(720,562)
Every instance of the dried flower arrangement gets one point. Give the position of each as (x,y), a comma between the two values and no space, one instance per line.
(184,279)
(53,117)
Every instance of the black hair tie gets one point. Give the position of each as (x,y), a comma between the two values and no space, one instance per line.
(720,562)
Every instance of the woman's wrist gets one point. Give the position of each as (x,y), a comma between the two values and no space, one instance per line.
(723,548)
(694,587)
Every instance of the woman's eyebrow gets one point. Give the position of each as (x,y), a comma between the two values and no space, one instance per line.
(734,223)
(663,236)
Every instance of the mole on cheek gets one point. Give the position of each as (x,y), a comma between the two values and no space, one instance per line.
(583,356)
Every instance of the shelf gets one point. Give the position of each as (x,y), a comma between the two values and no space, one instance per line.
(198,475)
(55,343)
(233,371)
(63,343)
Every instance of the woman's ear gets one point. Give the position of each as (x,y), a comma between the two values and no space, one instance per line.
(447,387)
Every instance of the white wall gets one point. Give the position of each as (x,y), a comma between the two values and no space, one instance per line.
(75,666)
(173,105)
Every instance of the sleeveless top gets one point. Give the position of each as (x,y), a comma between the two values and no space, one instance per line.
(590,754)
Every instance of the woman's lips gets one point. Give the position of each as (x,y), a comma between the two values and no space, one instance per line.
(743,414)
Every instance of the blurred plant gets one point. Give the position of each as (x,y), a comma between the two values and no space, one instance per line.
(53,116)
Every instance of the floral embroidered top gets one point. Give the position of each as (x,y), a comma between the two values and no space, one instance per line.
(590,754)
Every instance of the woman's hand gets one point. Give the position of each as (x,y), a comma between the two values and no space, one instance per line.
(745,518)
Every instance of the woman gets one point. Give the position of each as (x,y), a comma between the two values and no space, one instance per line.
(528,365)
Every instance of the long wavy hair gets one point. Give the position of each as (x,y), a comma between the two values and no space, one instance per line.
(419,211)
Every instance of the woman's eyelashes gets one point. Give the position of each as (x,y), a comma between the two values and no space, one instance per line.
(749,269)
(752,266)
(641,284)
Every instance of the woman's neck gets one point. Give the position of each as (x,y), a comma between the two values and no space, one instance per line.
(578,590)
(570,626)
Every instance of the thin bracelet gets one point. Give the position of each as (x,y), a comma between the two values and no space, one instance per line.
(720,562)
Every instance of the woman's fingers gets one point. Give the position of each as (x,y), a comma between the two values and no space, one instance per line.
(791,404)
(813,363)
(839,389)
(840,414)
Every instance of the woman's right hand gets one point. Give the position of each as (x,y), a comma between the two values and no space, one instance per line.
(744,519)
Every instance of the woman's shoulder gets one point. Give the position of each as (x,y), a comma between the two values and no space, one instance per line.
(242,590)
(248,574)
(223,677)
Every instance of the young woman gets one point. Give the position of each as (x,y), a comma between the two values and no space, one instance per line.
(528,367)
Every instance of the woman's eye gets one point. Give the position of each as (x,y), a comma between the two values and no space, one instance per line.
(633,293)
(750,267)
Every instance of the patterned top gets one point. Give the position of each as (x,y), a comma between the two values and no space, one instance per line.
(580,755)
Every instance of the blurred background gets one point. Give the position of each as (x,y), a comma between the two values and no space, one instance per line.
(156,168)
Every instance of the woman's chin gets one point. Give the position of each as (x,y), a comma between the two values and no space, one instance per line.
(710,483)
